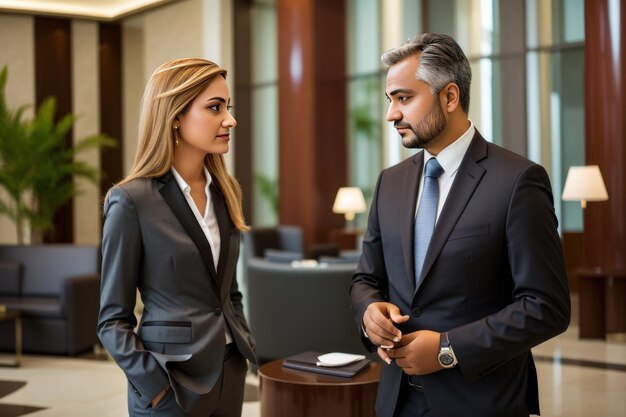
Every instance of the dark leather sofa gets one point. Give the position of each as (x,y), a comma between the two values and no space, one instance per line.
(56,289)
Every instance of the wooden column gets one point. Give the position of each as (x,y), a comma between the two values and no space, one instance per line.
(513,67)
(111,159)
(243,99)
(312,113)
(605,130)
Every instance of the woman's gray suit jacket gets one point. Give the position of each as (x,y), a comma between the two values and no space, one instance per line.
(152,241)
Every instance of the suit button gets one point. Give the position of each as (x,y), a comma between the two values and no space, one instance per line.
(416,311)
(218,311)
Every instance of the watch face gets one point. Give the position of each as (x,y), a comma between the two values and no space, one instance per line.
(446,359)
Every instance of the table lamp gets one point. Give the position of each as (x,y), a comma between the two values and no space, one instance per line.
(584,183)
(349,201)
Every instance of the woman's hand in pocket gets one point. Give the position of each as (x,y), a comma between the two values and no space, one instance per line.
(159,396)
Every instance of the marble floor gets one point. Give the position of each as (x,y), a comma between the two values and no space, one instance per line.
(576,379)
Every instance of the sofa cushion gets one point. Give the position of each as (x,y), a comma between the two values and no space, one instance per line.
(46,267)
(34,306)
(10,278)
(274,255)
(335,260)
(350,255)
(324,249)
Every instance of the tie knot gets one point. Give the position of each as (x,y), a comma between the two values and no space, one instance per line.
(433,169)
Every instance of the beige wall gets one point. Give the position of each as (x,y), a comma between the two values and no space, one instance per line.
(86,104)
(192,28)
(150,39)
(18,52)
(217,45)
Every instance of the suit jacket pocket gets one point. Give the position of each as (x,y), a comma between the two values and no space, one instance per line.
(154,346)
(467,232)
(166,331)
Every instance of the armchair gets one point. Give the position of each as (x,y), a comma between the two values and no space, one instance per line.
(292,310)
(56,289)
(257,241)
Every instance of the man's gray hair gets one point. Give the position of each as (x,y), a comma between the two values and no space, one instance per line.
(442,61)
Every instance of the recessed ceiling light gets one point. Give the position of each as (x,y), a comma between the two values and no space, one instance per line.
(93,9)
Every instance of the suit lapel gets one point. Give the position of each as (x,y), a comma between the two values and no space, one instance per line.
(467,179)
(228,238)
(175,199)
(409,201)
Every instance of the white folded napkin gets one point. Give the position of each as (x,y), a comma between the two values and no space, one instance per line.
(338,359)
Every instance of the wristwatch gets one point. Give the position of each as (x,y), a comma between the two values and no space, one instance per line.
(446,355)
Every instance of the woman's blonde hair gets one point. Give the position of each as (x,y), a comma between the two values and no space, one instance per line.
(169,92)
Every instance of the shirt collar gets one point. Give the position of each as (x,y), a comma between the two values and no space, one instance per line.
(184,187)
(450,158)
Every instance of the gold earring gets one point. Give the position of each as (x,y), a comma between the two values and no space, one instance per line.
(176,134)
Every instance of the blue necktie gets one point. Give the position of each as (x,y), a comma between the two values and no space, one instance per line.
(426,214)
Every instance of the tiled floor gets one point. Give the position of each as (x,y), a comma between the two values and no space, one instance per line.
(576,379)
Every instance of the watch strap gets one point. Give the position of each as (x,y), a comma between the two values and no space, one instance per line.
(444,342)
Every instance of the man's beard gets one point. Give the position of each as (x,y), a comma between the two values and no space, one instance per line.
(431,125)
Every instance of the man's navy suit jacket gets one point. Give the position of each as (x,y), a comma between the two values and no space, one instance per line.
(493,278)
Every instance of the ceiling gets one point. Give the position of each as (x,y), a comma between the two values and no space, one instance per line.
(106,10)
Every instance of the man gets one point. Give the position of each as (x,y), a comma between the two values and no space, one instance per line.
(462,270)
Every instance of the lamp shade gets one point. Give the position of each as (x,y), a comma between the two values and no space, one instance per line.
(584,183)
(349,200)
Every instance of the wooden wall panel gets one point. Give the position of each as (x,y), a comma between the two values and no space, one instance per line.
(605,132)
(53,77)
(573,254)
(243,97)
(111,159)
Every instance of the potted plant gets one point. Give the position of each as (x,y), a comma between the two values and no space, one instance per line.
(36,166)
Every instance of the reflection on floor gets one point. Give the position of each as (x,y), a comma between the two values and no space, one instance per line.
(14,410)
(576,379)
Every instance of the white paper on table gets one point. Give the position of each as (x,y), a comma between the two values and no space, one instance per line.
(338,359)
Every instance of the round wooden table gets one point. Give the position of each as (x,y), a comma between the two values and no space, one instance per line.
(288,393)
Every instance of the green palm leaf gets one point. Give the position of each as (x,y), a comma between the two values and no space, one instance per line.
(37,166)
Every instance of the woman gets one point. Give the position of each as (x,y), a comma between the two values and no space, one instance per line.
(171,230)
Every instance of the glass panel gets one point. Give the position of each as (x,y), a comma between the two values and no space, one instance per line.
(265,154)
(411,18)
(364,97)
(569,22)
(533,106)
(264,95)
(474,24)
(568,73)
(265,43)
(363,37)
(573,20)
(365,119)
(495,121)
(539,23)
(442,17)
